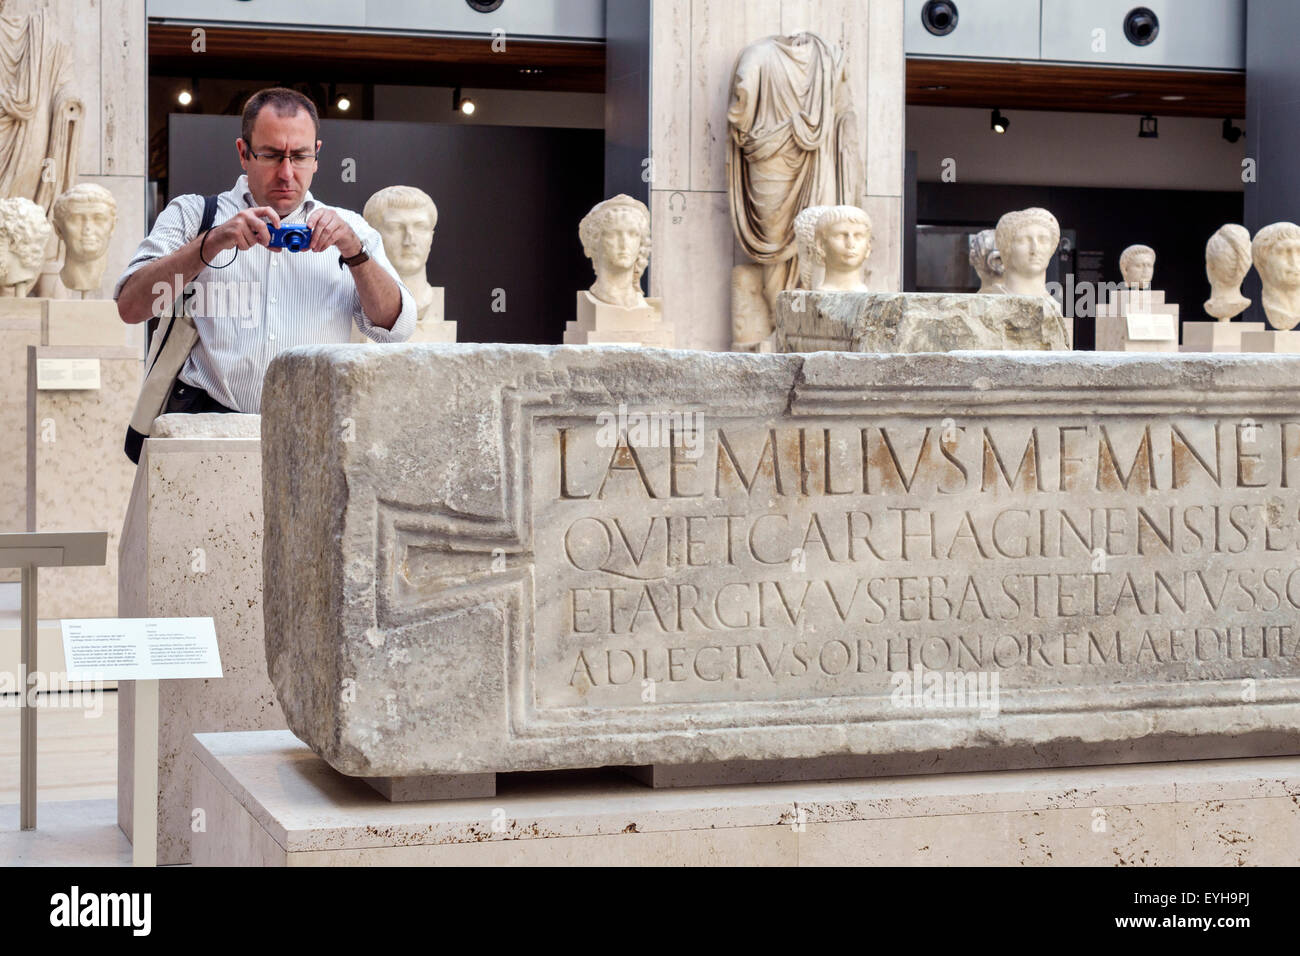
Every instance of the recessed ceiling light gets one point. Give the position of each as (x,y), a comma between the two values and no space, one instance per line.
(936,86)
(1120,96)
(1173,98)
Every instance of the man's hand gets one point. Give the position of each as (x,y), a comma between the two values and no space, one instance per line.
(328,229)
(243,230)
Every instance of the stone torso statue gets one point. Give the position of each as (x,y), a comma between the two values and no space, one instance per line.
(1137,264)
(986,260)
(793,145)
(405,218)
(616,238)
(84,217)
(1027,240)
(24,235)
(843,243)
(1276,251)
(1227,260)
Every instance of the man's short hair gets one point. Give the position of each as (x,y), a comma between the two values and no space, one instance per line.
(1132,252)
(82,194)
(284,101)
(399,197)
(1011,224)
(1268,237)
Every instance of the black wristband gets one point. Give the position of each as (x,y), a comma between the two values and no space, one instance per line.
(202,242)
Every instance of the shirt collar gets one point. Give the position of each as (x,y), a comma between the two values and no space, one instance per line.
(242,195)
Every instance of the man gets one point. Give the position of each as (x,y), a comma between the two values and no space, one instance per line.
(292,298)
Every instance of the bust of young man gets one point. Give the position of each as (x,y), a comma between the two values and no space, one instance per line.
(1137,264)
(405,217)
(1227,260)
(986,260)
(1276,250)
(1027,240)
(24,235)
(842,244)
(84,218)
(616,238)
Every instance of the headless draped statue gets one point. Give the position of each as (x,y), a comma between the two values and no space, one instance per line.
(40,118)
(794,144)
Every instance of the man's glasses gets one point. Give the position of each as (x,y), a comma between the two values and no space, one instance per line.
(299,160)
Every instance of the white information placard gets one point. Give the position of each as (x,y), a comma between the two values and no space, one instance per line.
(57,374)
(1144,327)
(140,648)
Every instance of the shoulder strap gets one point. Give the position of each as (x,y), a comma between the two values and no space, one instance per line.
(209,213)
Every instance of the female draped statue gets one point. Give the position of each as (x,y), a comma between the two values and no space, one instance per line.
(793,145)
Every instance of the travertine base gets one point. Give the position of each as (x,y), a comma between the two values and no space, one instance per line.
(191,546)
(1112,321)
(20,327)
(427,331)
(600,323)
(1287,343)
(78,478)
(90,322)
(462,786)
(269,801)
(1112,336)
(1216,336)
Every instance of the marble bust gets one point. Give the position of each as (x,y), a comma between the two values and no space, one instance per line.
(24,235)
(1276,251)
(405,217)
(1227,260)
(842,243)
(986,260)
(616,238)
(805,234)
(1137,264)
(84,217)
(1027,240)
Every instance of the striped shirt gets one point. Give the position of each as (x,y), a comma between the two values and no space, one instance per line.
(264,302)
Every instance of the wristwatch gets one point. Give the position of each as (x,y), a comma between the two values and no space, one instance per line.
(355,260)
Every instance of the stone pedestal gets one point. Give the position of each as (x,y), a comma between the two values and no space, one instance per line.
(600,323)
(1216,336)
(270,801)
(23,323)
(1287,343)
(191,547)
(1137,320)
(78,478)
(915,322)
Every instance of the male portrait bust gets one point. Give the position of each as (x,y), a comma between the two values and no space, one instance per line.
(1027,240)
(1137,264)
(84,218)
(986,260)
(405,217)
(1227,260)
(842,244)
(1276,251)
(615,236)
(24,235)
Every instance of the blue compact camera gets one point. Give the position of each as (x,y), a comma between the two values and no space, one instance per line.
(293,238)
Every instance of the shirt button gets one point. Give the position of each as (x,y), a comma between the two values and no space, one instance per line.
(272,336)
(274,264)
(273,300)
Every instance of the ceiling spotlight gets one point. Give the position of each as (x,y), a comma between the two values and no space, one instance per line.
(998,123)
(344,103)
(1147,128)
(461,104)
(185,97)
(1173,97)
(1230,132)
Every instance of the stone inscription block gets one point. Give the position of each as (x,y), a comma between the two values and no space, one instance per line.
(587,557)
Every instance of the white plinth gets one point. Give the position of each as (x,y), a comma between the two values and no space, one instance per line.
(269,801)
(1286,343)
(1112,335)
(599,323)
(1216,336)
